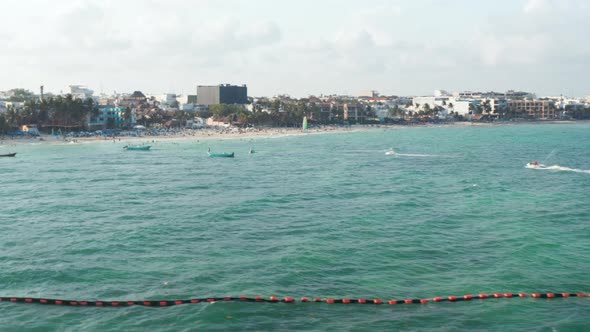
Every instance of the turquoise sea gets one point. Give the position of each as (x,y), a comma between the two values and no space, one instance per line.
(319,215)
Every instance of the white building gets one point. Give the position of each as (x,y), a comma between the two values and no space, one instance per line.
(419,102)
(461,106)
(167,100)
(80,91)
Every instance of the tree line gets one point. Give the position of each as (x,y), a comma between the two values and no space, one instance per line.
(60,111)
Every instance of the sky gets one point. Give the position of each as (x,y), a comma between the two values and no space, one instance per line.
(297,47)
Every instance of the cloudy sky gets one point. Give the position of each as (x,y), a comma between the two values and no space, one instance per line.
(298,47)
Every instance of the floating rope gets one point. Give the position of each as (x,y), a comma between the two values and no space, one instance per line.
(274,299)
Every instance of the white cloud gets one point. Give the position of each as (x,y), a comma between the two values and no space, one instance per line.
(532,6)
(294,47)
(556,7)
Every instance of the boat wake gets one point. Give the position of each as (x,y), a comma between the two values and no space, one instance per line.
(557,168)
(392,152)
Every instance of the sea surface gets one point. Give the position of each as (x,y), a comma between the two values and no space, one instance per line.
(454,212)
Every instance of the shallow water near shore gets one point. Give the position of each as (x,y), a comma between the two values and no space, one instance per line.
(453,212)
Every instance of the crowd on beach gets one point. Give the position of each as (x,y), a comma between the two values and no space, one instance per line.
(203,133)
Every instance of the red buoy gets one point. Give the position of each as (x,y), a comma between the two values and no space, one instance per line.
(452,298)
(304,299)
(362,301)
(437,299)
(408,301)
(522,294)
(467,297)
(289,300)
(330,301)
(392,301)
(424,301)
(346,301)
(483,296)
(377,301)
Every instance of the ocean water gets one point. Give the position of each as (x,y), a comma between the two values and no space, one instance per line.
(321,215)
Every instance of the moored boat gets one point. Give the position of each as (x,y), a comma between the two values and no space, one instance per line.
(223,155)
(137,147)
(8,155)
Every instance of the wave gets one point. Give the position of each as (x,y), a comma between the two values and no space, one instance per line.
(558,168)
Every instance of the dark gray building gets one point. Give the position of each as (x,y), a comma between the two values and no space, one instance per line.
(222,94)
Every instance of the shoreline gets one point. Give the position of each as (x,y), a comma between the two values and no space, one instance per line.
(212,134)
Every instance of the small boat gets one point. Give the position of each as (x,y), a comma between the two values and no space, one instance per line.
(8,155)
(251,151)
(534,164)
(223,155)
(390,152)
(137,147)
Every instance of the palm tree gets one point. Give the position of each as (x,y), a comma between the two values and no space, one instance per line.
(127,115)
(12,117)
(4,128)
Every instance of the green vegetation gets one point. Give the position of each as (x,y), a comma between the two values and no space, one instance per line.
(4,127)
(58,111)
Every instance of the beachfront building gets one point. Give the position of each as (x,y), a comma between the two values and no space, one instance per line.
(353,112)
(133,100)
(222,94)
(326,109)
(381,111)
(111,117)
(464,107)
(439,99)
(532,108)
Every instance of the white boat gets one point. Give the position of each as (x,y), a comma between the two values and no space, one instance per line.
(390,152)
(535,165)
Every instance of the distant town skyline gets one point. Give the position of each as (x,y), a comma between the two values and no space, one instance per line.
(299,48)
